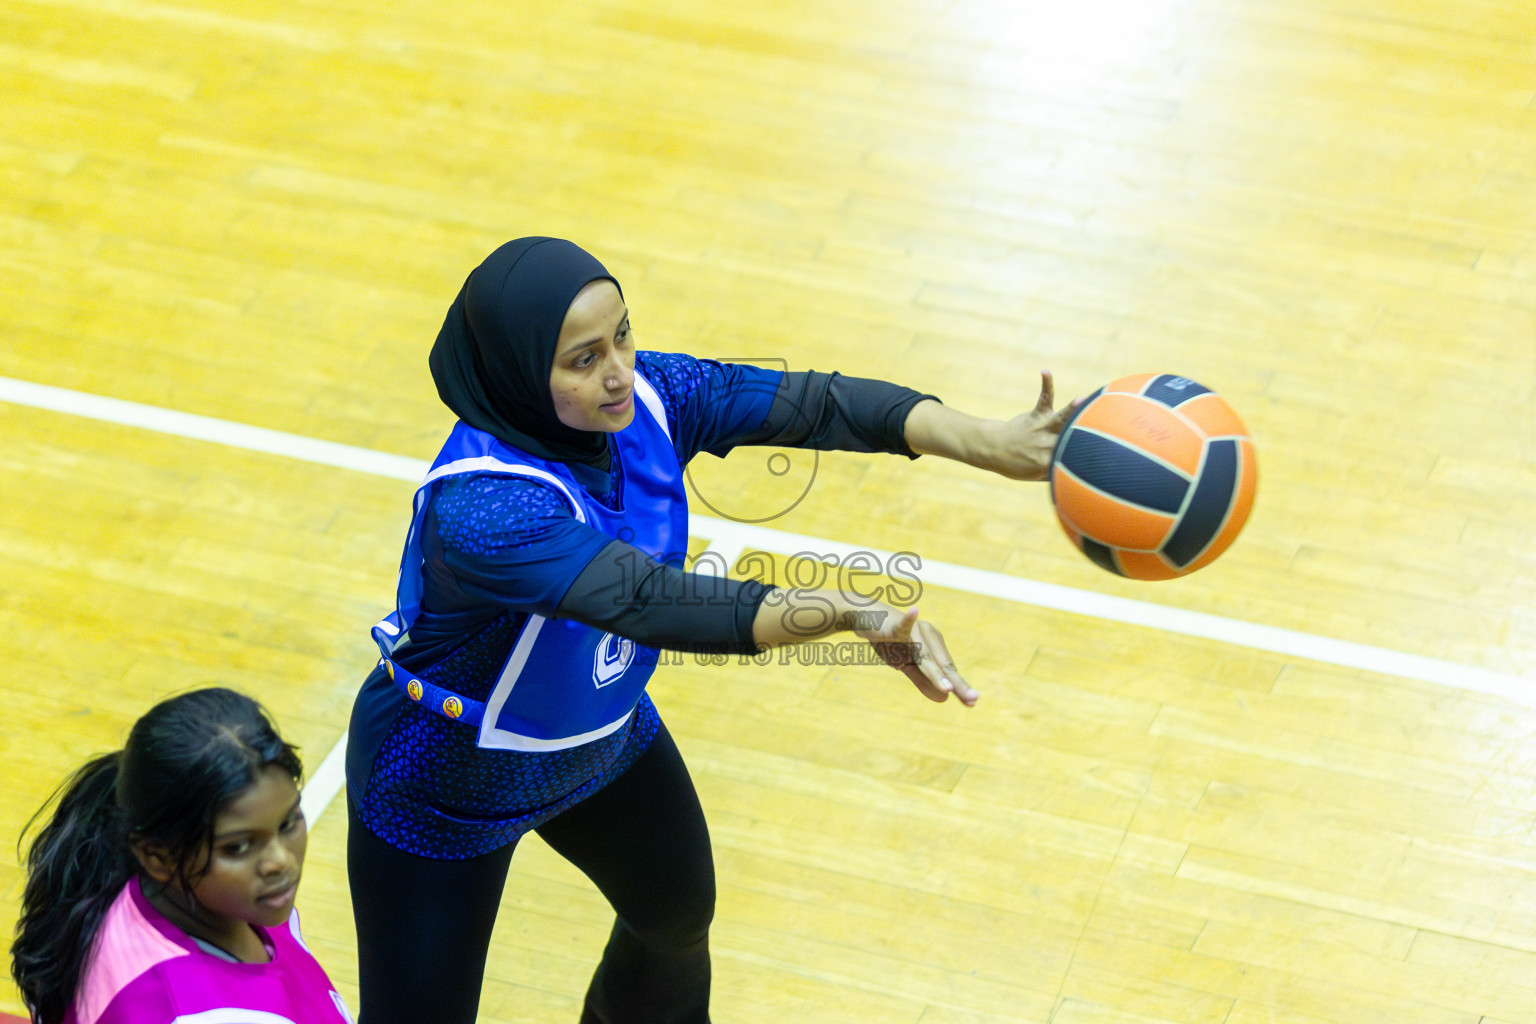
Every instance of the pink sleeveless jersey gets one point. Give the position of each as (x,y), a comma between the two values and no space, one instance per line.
(145,970)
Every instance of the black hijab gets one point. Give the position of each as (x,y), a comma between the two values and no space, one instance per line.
(492,358)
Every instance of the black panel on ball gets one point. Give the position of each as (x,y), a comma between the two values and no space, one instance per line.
(1174,391)
(1208,507)
(1061,438)
(1122,471)
(1101,556)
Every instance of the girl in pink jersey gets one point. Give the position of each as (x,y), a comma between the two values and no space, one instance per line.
(161,891)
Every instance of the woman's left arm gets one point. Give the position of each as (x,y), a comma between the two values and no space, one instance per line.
(1019,448)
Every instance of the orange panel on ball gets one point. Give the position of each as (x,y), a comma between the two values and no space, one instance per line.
(1150,426)
(1214,416)
(1106,519)
(1143,565)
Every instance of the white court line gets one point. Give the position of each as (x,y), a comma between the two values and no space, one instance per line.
(745,536)
(726,536)
(205,428)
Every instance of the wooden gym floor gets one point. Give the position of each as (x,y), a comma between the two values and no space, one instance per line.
(258,211)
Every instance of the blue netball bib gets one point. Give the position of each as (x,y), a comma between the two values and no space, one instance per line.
(564,683)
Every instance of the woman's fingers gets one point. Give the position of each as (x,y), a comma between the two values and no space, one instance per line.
(929,676)
(916,648)
(905,652)
(1047,394)
(1066,412)
(926,686)
(937,652)
(901,632)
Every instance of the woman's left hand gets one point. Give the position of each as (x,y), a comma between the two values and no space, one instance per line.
(1026,442)
(1019,449)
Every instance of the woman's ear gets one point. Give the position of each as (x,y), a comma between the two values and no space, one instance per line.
(156,861)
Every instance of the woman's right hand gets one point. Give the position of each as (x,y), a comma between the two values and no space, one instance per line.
(914,646)
(902,638)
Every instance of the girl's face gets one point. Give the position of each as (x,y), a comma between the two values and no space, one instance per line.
(251,871)
(259,839)
(592,381)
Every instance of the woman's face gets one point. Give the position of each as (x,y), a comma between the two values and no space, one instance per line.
(250,872)
(259,840)
(592,381)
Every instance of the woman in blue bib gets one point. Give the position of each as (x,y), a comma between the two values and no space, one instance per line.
(542,572)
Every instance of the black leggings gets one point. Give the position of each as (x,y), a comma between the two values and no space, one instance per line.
(423,926)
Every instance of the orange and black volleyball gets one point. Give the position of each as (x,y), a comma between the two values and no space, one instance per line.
(1153,477)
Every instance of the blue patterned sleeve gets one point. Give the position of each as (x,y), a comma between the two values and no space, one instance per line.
(711,406)
(493,542)
(506,541)
(714,407)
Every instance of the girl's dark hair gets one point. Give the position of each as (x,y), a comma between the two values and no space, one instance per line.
(184,761)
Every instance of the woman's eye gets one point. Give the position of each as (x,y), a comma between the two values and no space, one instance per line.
(237,849)
(293,823)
